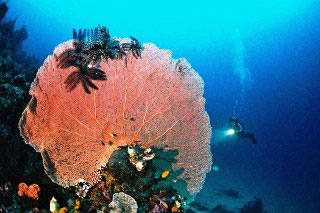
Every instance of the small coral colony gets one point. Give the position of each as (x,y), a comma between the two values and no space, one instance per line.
(90,47)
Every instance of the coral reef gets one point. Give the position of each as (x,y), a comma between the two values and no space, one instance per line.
(20,164)
(117,176)
(143,172)
(145,186)
(152,101)
(16,70)
(121,202)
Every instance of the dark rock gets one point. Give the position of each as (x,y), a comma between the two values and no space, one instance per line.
(5,131)
(231,193)
(255,206)
(190,211)
(18,162)
(19,80)
(3,10)
(199,206)
(220,209)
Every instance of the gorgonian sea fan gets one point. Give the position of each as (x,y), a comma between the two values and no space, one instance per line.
(155,100)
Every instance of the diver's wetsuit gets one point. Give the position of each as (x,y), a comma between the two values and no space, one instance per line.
(238,127)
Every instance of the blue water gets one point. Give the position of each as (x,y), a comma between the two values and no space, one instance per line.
(280,49)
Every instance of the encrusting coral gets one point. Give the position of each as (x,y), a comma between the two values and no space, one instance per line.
(121,202)
(153,101)
(32,191)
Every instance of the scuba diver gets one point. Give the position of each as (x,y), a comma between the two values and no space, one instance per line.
(239,130)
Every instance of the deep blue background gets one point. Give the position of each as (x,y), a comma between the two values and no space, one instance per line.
(282,52)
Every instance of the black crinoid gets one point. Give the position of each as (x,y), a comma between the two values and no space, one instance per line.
(71,55)
(79,58)
(98,39)
(84,75)
(101,46)
(89,48)
(135,47)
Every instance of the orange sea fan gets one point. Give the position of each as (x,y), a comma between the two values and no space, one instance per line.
(155,100)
